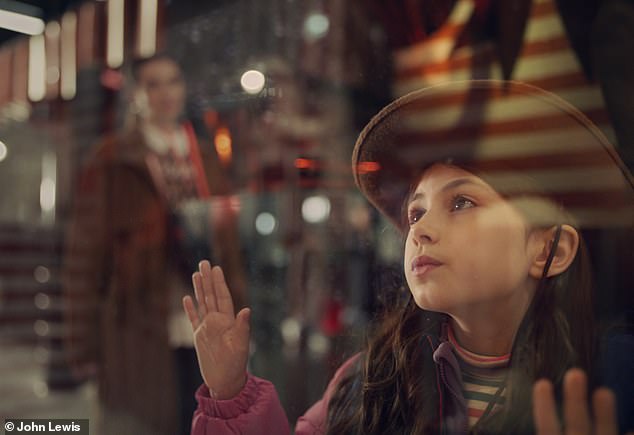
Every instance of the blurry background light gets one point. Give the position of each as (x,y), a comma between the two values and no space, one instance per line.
(47,194)
(42,301)
(3,151)
(41,328)
(318,344)
(365,167)
(37,68)
(316,209)
(21,23)
(111,79)
(302,163)
(68,56)
(48,187)
(265,223)
(222,141)
(42,274)
(252,81)
(146,38)
(316,26)
(114,47)
(291,331)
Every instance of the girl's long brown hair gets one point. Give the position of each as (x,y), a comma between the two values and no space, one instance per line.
(394,390)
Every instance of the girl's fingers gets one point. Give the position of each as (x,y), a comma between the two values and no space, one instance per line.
(576,412)
(190,310)
(197,280)
(577,420)
(242,324)
(604,405)
(223,296)
(208,288)
(544,409)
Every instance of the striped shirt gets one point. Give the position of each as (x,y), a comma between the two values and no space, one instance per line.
(483,380)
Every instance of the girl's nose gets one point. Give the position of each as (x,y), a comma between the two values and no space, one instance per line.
(426,229)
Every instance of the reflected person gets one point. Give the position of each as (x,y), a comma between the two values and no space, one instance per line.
(124,270)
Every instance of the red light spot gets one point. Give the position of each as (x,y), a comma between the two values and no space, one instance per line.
(304,163)
(365,167)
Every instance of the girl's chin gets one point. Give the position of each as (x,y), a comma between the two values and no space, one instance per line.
(426,301)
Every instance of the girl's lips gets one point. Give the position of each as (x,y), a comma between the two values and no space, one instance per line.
(423,265)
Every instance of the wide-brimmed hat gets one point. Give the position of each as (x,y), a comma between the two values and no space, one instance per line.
(524,141)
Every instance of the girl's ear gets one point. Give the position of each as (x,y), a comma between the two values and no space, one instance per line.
(565,251)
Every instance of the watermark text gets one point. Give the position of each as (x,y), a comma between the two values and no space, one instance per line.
(46,426)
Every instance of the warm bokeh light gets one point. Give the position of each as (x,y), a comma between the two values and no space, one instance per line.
(302,163)
(252,81)
(21,23)
(42,274)
(114,48)
(291,330)
(111,79)
(316,209)
(146,38)
(42,301)
(68,56)
(3,151)
(41,327)
(37,68)
(365,167)
(222,141)
(48,188)
(47,194)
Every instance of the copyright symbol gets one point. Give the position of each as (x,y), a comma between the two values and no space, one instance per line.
(9,426)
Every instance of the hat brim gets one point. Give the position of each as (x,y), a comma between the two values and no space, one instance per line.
(522,140)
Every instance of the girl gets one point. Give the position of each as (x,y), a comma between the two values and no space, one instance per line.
(498,311)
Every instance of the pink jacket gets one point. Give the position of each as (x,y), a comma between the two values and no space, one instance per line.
(257,410)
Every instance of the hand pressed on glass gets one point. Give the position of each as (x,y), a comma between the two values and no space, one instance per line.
(576,415)
(221,338)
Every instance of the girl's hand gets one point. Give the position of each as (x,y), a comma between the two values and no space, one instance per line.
(576,415)
(221,338)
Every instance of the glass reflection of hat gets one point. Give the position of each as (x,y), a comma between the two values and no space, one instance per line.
(525,142)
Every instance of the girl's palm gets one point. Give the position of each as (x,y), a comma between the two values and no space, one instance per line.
(221,338)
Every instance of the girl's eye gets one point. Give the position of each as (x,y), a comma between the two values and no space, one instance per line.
(460,203)
(414,215)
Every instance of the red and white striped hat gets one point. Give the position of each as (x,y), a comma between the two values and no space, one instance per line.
(524,141)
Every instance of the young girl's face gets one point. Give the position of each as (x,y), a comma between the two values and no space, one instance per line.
(468,250)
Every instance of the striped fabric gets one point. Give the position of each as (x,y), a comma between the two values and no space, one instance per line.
(480,387)
(171,165)
(503,126)
(483,380)
(546,60)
